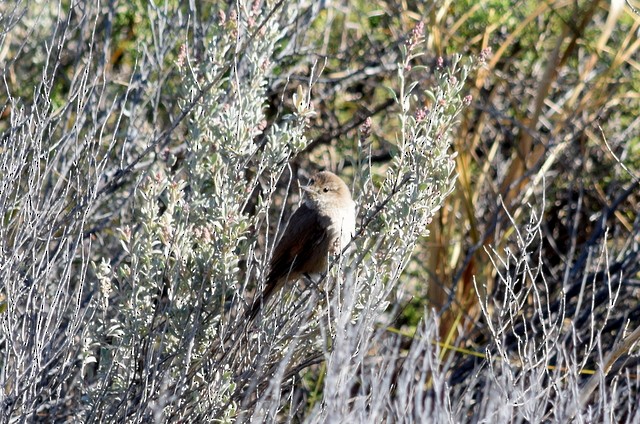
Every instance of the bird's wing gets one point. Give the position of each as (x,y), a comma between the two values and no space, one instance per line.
(306,231)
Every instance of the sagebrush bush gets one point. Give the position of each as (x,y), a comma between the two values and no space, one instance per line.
(150,156)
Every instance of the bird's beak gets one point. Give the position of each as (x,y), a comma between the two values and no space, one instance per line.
(306,188)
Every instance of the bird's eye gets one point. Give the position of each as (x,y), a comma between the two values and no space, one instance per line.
(326,189)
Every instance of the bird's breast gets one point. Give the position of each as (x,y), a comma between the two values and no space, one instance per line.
(342,227)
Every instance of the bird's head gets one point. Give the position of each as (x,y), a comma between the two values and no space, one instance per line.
(326,189)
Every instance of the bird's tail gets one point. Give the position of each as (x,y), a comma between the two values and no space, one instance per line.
(262,298)
(252,312)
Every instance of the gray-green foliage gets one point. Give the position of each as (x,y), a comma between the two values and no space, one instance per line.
(190,229)
(182,287)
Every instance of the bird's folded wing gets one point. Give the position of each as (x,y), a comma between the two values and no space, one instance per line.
(305,234)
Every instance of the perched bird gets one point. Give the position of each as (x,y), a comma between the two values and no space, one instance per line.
(323,224)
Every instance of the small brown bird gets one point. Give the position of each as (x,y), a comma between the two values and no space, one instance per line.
(323,224)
